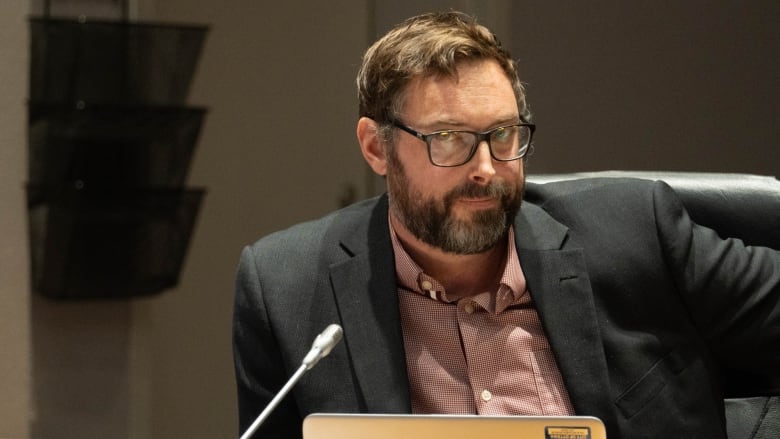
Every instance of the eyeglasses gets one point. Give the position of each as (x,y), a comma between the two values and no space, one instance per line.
(450,148)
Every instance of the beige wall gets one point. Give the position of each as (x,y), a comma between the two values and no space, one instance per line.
(15,368)
(677,85)
(278,147)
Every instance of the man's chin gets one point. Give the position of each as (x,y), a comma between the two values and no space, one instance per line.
(471,237)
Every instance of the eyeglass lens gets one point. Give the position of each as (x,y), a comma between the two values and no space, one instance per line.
(449,148)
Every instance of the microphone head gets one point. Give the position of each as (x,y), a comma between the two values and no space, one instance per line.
(323,344)
(329,338)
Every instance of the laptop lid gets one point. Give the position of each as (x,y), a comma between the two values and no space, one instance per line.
(372,426)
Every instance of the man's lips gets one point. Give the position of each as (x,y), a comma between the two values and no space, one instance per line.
(481,202)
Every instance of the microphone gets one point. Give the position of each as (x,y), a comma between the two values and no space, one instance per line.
(321,347)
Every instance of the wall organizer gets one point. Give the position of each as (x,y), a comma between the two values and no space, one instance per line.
(110,141)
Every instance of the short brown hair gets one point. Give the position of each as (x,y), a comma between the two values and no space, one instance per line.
(425,45)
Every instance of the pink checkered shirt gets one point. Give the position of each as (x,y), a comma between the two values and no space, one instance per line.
(485,354)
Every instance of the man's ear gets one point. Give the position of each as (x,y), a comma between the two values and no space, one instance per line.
(371,145)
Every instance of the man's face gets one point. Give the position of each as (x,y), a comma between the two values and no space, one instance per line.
(465,209)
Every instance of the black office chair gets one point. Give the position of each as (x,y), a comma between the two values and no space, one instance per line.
(740,206)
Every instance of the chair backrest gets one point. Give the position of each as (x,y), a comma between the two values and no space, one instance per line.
(740,206)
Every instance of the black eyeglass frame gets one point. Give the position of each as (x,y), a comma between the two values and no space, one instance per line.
(483,136)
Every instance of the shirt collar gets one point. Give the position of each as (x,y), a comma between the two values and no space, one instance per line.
(411,277)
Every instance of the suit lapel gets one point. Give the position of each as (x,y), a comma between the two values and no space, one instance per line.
(558,281)
(365,290)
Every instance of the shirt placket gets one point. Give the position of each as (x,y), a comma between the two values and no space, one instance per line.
(479,377)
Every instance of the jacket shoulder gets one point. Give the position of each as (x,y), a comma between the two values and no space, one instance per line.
(541,192)
(307,236)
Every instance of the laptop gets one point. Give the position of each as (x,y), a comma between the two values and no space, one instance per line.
(372,426)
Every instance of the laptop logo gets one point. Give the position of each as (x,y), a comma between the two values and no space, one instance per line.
(566,433)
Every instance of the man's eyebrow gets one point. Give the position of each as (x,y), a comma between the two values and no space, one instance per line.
(509,120)
(458,125)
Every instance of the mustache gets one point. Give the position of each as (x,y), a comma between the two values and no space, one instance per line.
(473,190)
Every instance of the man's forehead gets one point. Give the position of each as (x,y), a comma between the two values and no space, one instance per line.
(476,88)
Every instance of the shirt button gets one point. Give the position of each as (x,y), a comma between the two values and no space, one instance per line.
(426,285)
(469,308)
(486,395)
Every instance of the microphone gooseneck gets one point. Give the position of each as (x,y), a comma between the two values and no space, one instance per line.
(321,347)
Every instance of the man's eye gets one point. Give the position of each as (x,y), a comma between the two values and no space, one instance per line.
(501,134)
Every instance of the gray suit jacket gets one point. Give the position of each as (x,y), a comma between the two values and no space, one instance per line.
(641,307)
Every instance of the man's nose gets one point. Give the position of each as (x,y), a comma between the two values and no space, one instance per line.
(482,170)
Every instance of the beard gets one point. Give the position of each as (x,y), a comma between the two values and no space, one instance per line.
(432,220)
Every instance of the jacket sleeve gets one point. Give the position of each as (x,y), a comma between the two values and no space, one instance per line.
(732,290)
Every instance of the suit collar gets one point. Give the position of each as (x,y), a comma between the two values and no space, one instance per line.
(536,229)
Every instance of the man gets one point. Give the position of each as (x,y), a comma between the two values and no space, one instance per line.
(597,299)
